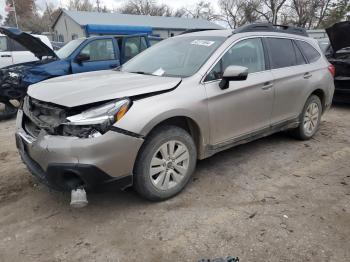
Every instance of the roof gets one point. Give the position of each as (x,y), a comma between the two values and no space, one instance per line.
(85,18)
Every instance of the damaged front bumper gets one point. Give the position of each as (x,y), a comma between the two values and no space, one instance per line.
(64,163)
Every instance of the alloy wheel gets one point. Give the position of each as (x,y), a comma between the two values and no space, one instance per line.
(169,165)
(311,118)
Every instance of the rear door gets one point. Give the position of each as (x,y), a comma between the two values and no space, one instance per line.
(103,54)
(244,107)
(289,69)
(5,52)
(132,46)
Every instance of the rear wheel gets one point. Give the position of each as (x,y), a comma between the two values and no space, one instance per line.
(165,163)
(310,119)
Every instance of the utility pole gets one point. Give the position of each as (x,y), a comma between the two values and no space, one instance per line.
(98,5)
(14,8)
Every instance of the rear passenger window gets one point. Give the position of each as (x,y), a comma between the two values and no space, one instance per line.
(281,52)
(311,53)
(134,46)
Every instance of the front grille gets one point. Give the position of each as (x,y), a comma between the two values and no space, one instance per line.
(42,116)
(30,127)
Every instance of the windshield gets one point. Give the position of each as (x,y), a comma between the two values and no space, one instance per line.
(69,48)
(179,56)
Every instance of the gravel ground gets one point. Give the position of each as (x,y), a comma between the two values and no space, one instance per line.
(275,199)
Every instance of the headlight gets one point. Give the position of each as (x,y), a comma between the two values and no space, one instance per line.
(96,120)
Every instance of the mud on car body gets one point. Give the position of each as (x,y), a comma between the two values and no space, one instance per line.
(185,98)
(338,54)
(80,55)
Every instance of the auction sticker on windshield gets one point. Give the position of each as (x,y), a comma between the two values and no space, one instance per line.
(158,72)
(202,42)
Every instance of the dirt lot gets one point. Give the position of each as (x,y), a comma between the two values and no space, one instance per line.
(275,199)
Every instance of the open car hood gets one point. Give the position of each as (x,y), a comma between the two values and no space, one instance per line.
(339,35)
(87,88)
(32,43)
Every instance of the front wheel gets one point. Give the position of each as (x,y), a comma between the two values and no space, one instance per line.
(310,119)
(7,111)
(165,163)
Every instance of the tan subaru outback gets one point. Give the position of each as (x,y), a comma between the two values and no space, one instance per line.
(188,97)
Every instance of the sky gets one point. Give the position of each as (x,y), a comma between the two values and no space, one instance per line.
(112,4)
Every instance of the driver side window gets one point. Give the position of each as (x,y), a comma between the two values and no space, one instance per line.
(248,53)
(99,50)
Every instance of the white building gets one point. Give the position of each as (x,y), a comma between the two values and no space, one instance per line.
(74,24)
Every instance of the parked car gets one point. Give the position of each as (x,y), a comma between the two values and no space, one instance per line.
(80,55)
(12,52)
(57,45)
(324,44)
(185,98)
(338,54)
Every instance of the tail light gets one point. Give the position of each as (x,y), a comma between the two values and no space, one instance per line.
(331,69)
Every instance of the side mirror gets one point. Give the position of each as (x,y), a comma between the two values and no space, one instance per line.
(82,58)
(233,73)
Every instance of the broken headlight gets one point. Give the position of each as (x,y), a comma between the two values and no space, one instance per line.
(97,120)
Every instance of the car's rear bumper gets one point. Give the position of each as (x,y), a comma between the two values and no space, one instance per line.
(342,91)
(64,163)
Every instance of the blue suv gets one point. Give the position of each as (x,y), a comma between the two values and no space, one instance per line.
(77,56)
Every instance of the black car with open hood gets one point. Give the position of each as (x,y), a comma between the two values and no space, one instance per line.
(338,54)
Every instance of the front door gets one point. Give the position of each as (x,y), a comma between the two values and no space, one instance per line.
(246,105)
(102,56)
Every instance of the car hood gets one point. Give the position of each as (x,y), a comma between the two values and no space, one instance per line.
(32,43)
(88,88)
(339,35)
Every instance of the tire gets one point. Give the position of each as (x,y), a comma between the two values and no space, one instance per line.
(156,176)
(8,112)
(302,132)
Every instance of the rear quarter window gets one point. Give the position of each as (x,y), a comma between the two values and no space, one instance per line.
(309,52)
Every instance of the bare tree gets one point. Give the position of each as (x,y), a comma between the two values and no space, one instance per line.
(323,11)
(271,9)
(239,12)
(145,7)
(80,5)
(203,10)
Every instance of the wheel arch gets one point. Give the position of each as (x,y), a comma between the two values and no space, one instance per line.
(186,122)
(322,96)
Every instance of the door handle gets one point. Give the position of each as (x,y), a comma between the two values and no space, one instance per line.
(267,86)
(307,75)
(6,55)
(114,66)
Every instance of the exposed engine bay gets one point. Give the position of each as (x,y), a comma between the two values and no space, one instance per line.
(53,119)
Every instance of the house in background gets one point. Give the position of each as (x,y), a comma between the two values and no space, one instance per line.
(70,25)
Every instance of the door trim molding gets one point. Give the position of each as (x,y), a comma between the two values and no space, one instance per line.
(243,139)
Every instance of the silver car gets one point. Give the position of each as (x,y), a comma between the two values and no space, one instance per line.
(186,98)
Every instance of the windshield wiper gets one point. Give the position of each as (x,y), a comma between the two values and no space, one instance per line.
(141,73)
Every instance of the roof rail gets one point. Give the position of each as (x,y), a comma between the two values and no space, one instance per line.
(196,30)
(268,27)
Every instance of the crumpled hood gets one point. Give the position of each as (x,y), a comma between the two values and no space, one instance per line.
(32,43)
(92,87)
(339,35)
